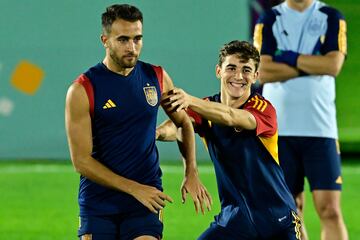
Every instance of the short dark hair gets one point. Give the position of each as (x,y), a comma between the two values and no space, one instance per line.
(245,50)
(120,11)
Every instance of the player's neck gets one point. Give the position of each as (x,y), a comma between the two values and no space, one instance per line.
(234,102)
(114,67)
(299,5)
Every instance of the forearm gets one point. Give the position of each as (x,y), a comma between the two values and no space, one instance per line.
(276,72)
(186,145)
(222,114)
(329,64)
(97,172)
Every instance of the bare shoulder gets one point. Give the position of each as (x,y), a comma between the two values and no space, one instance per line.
(167,81)
(76,96)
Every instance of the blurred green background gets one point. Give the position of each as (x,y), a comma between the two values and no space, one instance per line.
(61,39)
(45,45)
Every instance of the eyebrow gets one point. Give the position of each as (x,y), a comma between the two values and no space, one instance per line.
(127,37)
(247,67)
(231,65)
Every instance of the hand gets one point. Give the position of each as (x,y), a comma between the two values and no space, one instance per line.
(191,184)
(150,197)
(288,57)
(175,100)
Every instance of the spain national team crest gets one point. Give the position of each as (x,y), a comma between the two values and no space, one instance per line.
(151,95)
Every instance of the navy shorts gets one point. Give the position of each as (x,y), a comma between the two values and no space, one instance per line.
(240,227)
(121,226)
(317,159)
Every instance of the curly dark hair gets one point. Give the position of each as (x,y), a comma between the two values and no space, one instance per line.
(245,50)
(120,11)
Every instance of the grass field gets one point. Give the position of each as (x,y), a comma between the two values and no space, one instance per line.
(38,201)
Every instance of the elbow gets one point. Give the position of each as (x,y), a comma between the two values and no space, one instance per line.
(79,165)
(335,70)
(264,77)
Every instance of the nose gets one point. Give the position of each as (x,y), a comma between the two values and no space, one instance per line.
(131,46)
(238,75)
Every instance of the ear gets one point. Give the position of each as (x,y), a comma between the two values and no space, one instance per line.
(104,39)
(218,71)
(256,76)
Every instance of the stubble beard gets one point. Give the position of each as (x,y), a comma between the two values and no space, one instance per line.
(121,62)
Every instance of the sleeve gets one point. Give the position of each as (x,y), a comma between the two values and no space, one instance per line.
(264,39)
(335,36)
(265,115)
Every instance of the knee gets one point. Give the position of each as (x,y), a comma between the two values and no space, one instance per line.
(329,212)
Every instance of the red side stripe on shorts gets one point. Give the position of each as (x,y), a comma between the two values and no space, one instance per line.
(159,74)
(86,83)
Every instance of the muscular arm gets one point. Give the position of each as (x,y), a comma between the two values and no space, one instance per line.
(181,120)
(270,71)
(213,111)
(222,114)
(79,134)
(329,64)
(186,143)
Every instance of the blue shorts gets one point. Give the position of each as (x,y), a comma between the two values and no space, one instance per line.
(242,229)
(317,159)
(122,226)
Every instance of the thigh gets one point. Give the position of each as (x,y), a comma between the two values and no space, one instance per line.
(322,164)
(141,224)
(216,232)
(291,163)
(98,228)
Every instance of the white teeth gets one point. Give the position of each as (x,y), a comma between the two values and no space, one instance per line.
(237,84)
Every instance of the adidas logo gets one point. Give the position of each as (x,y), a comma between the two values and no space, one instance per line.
(109,104)
(339,180)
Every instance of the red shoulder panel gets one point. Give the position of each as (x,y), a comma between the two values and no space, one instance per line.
(264,114)
(86,83)
(159,74)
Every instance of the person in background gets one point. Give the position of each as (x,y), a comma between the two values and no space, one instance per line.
(303,46)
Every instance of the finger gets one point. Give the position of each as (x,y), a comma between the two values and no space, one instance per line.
(181,107)
(151,208)
(159,200)
(201,203)
(208,197)
(166,197)
(196,205)
(183,194)
(156,205)
(172,91)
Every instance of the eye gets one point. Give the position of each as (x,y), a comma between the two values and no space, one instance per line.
(247,70)
(137,39)
(231,69)
(123,39)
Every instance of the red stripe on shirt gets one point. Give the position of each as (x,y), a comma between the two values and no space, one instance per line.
(86,83)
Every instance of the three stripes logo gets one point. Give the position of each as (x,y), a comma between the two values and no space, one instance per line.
(109,104)
(259,104)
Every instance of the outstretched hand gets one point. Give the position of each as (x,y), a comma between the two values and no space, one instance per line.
(175,100)
(198,192)
(150,197)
